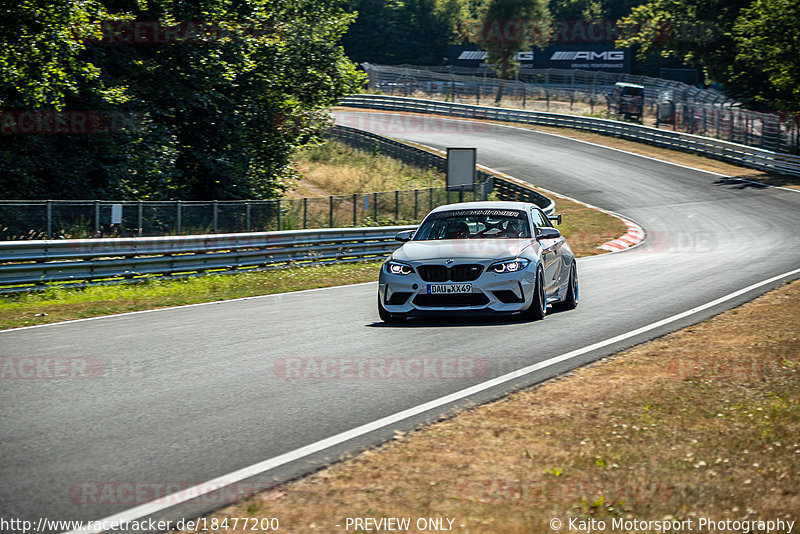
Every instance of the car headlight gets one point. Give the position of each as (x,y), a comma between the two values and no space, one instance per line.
(395,267)
(509,266)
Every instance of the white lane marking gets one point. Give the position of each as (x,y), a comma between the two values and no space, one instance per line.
(148,509)
(615,149)
(185,306)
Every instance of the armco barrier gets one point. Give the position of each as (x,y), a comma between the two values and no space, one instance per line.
(30,264)
(746,156)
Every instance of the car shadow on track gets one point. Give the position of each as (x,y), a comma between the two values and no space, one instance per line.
(450,322)
(759,181)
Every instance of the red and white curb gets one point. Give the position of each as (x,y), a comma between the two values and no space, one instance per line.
(633,237)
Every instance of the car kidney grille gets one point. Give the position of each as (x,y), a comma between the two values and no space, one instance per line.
(456,273)
(451,300)
(465,273)
(433,273)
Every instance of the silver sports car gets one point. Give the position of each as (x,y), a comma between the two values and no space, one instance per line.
(479,258)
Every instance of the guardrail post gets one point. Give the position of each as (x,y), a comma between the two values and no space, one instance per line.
(279,215)
(375,207)
(247,210)
(178,216)
(97,218)
(430,198)
(396,206)
(49,211)
(416,204)
(355,209)
(305,213)
(216,226)
(330,211)
(139,218)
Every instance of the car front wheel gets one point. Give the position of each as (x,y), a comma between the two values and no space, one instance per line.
(570,302)
(386,317)
(538,307)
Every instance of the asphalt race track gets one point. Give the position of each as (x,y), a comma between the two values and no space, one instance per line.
(193,393)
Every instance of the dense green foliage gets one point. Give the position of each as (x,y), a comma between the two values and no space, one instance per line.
(750,46)
(502,44)
(403,31)
(591,9)
(212,107)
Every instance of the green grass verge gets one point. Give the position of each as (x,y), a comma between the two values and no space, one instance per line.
(56,305)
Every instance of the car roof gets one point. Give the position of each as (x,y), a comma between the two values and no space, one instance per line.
(488,204)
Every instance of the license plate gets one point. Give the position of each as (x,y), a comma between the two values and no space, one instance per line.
(436,289)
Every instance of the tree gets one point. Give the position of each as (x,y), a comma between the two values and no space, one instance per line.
(749,46)
(596,10)
(507,27)
(40,58)
(408,31)
(766,35)
(218,94)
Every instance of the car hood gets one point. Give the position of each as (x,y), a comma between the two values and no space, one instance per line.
(473,249)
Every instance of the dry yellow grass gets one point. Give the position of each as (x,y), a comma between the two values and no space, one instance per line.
(702,423)
(334,168)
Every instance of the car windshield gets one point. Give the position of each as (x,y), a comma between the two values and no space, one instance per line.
(474,224)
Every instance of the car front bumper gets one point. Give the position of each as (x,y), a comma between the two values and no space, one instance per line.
(492,293)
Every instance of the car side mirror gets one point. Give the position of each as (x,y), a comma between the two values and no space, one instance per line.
(555,218)
(405,235)
(548,233)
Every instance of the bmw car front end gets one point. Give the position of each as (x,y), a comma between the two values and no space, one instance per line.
(470,258)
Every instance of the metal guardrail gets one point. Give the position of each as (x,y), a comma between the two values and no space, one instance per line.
(32,264)
(723,150)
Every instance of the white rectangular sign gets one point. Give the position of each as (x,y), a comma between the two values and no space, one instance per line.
(116,213)
(461,166)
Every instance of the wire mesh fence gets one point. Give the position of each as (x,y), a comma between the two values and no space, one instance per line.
(557,83)
(573,91)
(769,131)
(75,219)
